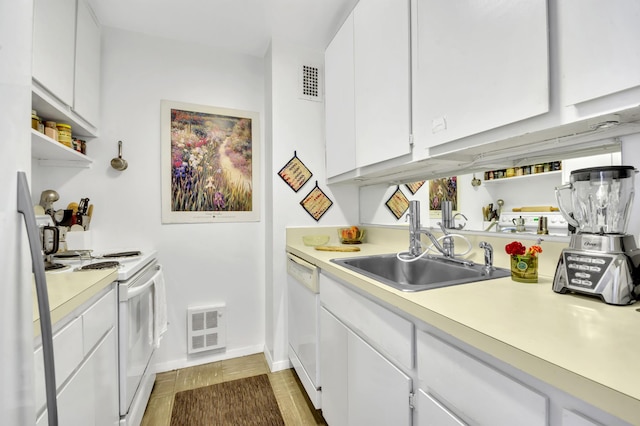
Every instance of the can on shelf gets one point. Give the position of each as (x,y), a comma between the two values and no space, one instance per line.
(64,134)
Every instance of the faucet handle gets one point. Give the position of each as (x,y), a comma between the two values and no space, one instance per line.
(488,255)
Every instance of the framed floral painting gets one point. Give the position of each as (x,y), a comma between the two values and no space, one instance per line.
(210,164)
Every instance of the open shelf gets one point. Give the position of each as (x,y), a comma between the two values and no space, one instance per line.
(519,178)
(49,152)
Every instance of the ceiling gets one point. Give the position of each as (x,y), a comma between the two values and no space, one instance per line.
(244,26)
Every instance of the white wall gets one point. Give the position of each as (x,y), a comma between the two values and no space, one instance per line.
(296,125)
(203,263)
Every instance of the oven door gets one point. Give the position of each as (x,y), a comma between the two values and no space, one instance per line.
(136,333)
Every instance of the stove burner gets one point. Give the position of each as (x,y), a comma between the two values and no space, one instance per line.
(122,254)
(100,265)
(48,266)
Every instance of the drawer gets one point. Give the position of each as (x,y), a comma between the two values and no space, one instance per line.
(67,355)
(431,412)
(380,327)
(98,319)
(474,391)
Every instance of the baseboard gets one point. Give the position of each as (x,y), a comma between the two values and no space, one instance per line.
(277,365)
(214,356)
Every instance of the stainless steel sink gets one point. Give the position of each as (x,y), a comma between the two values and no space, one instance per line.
(423,274)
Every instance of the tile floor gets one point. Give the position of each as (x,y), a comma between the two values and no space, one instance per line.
(294,404)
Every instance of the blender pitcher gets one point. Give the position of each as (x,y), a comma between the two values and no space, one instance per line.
(601,198)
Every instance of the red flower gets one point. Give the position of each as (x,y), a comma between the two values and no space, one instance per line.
(515,248)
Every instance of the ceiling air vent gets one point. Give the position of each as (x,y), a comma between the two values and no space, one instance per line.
(310,83)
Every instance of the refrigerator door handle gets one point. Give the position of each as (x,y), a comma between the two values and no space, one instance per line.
(26,209)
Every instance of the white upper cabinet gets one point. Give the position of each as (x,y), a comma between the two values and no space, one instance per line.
(382,80)
(66,64)
(478,66)
(54,35)
(339,102)
(86,101)
(598,45)
(368,87)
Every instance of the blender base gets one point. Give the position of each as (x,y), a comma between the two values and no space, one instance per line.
(605,266)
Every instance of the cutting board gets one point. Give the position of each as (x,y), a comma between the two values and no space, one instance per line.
(338,248)
(536,209)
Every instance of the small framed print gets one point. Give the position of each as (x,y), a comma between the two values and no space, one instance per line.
(295,173)
(398,203)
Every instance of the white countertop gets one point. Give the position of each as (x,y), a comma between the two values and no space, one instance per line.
(575,343)
(68,290)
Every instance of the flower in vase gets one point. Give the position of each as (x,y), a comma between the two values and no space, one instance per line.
(515,248)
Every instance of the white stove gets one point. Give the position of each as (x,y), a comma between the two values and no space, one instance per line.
(140,284)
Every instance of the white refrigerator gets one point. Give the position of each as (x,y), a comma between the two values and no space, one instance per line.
(17,405)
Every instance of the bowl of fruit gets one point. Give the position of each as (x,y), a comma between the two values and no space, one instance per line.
(351,235)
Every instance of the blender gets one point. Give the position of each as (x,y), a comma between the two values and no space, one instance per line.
(602,259)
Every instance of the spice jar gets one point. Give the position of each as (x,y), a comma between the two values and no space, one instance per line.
(64,134)
(36,123)
(51,130)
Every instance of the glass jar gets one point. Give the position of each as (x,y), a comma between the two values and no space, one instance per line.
(36,123)
(64,134)
(51,130)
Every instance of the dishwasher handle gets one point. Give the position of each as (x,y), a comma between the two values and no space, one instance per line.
(303,272)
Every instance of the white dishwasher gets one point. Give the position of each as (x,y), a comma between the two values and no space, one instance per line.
(304,324)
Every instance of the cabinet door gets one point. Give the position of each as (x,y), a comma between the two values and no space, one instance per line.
(333,369)
(378,390)
(479,66)
(87,66)
(91,395)
(54,46)
(598,44)
(339,102)
(382,80)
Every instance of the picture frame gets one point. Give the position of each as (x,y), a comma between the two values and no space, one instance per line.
(444,189)
(210,164)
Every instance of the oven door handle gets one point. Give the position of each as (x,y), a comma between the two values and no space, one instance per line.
(137,290)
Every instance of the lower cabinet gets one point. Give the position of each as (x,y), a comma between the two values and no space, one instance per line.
(470,390)
(380,367)
(87,387)
(359,385)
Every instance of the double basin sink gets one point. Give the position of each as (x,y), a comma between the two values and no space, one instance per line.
(419,274)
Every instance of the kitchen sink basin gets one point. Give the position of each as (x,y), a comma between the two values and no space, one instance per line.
(423,274)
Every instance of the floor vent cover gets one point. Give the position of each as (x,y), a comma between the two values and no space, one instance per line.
(205,328)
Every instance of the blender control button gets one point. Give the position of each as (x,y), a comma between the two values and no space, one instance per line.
(599,261)
(576,281)
(595,269)
(583,275)
(572,258)
(572,266)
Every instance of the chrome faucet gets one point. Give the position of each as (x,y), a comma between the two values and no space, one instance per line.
(415,246)
(488,255)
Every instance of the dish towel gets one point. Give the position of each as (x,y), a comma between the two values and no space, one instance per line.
(159,307)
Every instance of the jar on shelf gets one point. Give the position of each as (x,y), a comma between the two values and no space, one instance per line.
(64,134)
(51,130)
(36,122)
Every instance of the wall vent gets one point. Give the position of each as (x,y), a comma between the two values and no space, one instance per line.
(205,328)
(310,83)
